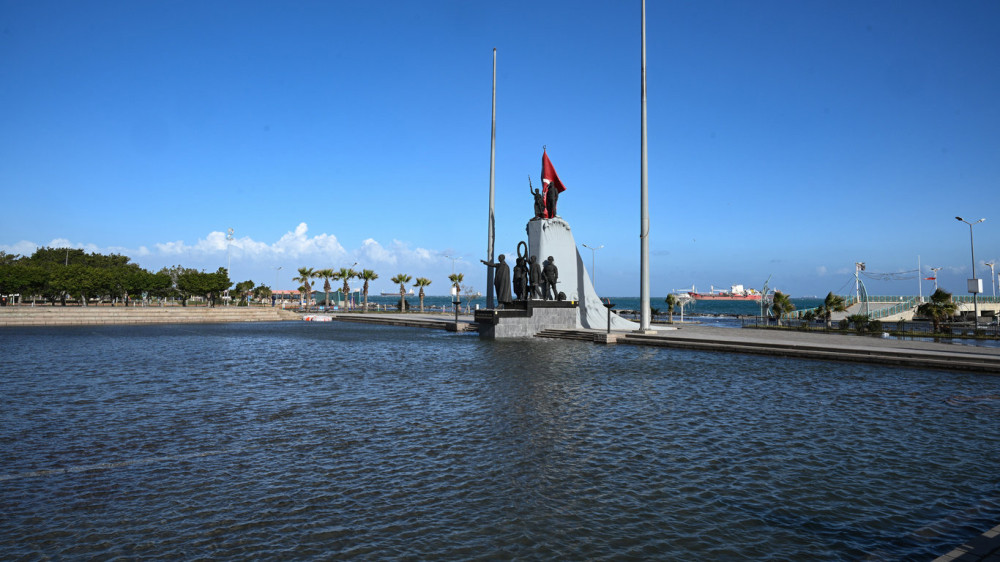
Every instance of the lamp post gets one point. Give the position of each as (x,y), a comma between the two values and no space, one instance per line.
(457,302)
(975,285)
(993,277)
(593,261)
(275,291)
(935,270)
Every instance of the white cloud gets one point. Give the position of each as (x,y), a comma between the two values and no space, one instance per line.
(821,270)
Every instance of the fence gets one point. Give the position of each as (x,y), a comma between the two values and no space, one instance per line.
(913,328)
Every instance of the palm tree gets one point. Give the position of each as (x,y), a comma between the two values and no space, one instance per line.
(456,282)
(346,274)
(402,279)
(305,274)
(781,305)
(326,275)
(367,275)
(422,282)
(939,308)
(671,301)
(832,303)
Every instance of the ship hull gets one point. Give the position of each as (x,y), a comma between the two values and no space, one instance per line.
(718,297)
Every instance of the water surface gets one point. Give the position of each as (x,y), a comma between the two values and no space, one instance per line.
(298,440)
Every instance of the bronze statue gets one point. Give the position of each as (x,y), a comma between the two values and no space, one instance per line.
(551,275)
(520,280)
(535,280)
(551,198)
(539,201)
(501,279)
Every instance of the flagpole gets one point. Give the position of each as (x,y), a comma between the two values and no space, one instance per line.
(493,150)
(644,232)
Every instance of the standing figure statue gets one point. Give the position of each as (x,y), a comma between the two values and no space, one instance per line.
(551,198)
(501,280)
(551,274)
(539,200)
(520,280)
(535,280)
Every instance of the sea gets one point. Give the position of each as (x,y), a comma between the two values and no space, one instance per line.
(303,440)
(716,313)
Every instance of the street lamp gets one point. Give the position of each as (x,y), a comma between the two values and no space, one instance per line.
(975,284)
(593,261)
(453,260)
(275,291)
(993,277)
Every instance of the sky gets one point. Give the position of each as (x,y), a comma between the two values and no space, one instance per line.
(786,140)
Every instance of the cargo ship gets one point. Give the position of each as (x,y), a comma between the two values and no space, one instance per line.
(735,293)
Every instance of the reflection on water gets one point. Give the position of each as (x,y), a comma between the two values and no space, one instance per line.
(295,440)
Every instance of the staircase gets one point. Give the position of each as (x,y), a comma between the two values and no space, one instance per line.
(97,315)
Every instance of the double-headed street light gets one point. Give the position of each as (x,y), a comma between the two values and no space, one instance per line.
(993,277)
(593,261)
(975,284)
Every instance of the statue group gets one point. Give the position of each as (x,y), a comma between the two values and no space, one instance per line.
(531,280)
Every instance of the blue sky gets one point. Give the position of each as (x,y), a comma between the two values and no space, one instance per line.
(786,139)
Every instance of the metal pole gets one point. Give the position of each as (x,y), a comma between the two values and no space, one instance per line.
(975,296)
(493,150)
(644,214)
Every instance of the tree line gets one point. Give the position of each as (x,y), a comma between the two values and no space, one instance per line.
(56,275)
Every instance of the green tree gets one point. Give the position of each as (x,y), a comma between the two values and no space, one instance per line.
(242,290)
(306,274)
(832,303)
(262,293)
(326,275)
(367,275)
(346,274)
(456,282)
(781,305)
(402,279)
(422,282)
(939,308)
(671,301)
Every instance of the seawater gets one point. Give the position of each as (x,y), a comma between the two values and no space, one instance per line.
(335,440)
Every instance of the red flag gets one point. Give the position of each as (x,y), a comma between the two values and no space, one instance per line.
(930,278)
(549,175)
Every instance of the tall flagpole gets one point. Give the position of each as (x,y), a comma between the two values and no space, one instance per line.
(644,233)
(493,151)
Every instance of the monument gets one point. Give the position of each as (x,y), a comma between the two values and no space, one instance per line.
(538,306)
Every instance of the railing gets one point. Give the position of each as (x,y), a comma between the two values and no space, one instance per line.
(900,328)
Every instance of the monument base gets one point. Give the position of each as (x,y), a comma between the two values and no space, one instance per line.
(524,319)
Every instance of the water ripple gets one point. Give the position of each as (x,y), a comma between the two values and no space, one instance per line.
(317,441)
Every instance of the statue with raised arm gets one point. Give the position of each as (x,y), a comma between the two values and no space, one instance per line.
(534,278)
(501,279)
(550,273)
(539,200)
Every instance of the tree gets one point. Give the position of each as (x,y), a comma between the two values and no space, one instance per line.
(243,289)
(422,282)
(305,275)
(402,279)
(781,305)
(326,275)
(346,274)
(832,303)
(671,301)
(261,292)
(367,275)
(939,308)
(456,281)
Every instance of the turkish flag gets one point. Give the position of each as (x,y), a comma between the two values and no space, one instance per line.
(550,179)
(549,175)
